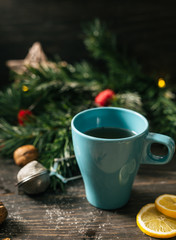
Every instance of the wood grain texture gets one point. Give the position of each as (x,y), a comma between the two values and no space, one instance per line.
(146,28)
(69,216)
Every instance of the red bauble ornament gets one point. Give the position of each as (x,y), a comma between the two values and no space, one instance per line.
(23,116)
(104,97)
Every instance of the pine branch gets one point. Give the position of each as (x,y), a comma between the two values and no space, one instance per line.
(164,115)
(99,41)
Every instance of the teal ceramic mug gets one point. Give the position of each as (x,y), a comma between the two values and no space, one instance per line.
(109,164)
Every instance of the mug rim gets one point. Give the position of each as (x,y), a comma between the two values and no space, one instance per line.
(109,139)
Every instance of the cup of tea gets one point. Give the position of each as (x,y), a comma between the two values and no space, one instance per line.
(110,144)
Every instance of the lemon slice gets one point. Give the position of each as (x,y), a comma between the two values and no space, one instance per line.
(155,224)
(166,204)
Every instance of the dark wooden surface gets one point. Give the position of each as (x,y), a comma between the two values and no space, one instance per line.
(146,28)
(68,215)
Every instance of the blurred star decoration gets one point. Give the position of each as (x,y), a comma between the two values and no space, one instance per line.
(35,58)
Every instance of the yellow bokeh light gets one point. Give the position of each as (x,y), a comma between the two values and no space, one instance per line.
(25,88)
(161,83)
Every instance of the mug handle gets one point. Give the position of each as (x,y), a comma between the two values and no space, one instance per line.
(150,158)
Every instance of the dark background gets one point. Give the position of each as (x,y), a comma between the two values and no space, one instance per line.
(147,28)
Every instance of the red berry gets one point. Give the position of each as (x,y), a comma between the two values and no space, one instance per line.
(23,115)
(104,97)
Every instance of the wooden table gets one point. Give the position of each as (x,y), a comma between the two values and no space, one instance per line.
(68,215)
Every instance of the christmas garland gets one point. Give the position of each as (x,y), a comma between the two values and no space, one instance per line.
(38,106)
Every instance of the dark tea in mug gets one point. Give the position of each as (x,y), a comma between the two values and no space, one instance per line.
(110,133)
